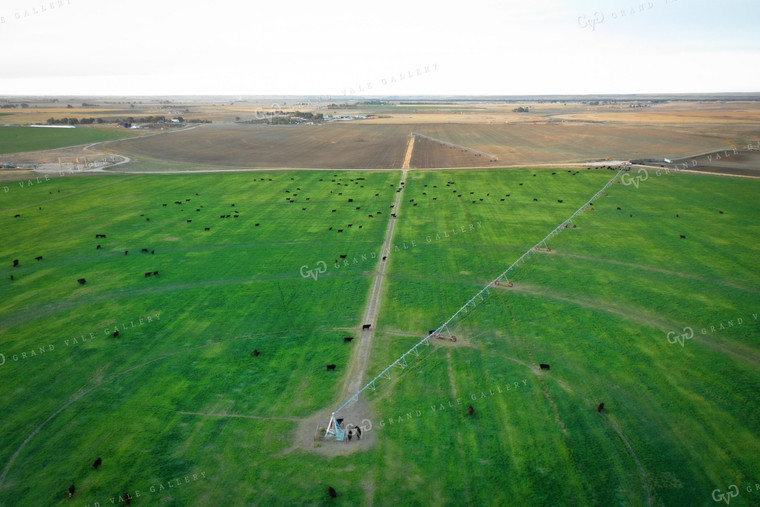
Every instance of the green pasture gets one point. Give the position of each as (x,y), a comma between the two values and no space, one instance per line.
(19,139)
(180,410)
(598,308)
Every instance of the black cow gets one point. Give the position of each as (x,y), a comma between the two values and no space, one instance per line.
(147,219)
(677,215)
(221,216)
(72,489)
(618,208)
(342,256)
(17,216)
(164,205)
(126,252)
(100,236)
(544,366)
(152,252)
(350,434)
(559,200)
(12,278)
(385,257)
(347,339)
(82,281)
(115,335)
(147,274)
(39,258)
(256,225)
(155,273)
(682,236)
(366,326)
(127,499)
(207,229)
(331,491)
(145,250)
(330,367)
(256,352)
(720,212)
(600,408)
(470,410)
(189,221)
(97,247)
(97,463)
(15,263)
(358,433)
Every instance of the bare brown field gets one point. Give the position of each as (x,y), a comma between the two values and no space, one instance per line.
(571,142)
(364,145)
(744,163)
(672,113)
(429,154)
(340,146)
(552,132)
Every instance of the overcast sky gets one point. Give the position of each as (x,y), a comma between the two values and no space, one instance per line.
(336,47)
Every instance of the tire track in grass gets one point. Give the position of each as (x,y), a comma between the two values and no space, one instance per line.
(462,457)
(81,393)
(612,423)
(653,269)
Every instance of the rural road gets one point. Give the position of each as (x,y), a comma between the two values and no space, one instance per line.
(356,372)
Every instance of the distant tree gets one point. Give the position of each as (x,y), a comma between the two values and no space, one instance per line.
(68,106)
(237,118)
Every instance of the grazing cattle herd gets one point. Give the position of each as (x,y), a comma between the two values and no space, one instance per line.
(126,497)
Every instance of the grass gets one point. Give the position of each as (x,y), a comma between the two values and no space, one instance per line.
(598,308)
(20,139)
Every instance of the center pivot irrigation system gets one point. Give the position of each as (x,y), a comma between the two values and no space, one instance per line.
(334,429)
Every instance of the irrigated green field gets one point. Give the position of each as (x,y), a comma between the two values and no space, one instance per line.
(18,139)
(598,309)
(181,412)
